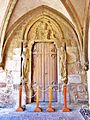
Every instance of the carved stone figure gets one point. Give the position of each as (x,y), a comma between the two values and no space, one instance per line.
(26,73)
(63,67)
(26,63)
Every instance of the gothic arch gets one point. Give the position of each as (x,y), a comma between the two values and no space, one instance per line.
(25,22)
(7,18)
(27,25)
(51,23)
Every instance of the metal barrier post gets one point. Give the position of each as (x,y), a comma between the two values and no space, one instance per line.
(65,108)
(20,109)
(50,108)
(37,109)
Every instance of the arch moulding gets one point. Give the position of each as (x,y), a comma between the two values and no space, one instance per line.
(26,22)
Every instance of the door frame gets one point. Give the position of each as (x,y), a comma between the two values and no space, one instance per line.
(31,43)
(43,80)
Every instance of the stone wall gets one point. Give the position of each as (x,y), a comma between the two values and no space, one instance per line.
(9,89)
(6,89)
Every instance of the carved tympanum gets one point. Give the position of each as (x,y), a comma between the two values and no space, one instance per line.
(42,30)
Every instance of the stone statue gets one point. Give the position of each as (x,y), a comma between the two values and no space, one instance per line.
(63,67)
(26,64)
(26,69)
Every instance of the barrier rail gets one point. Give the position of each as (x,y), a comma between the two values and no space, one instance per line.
(37,94)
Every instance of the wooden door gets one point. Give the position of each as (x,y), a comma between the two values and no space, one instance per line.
(44,68)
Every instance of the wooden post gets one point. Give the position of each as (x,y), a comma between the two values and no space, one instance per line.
(65,108)
(50,108)
(37,109)
(20,109)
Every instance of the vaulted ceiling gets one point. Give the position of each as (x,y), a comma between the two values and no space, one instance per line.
(76,11)
(70,8)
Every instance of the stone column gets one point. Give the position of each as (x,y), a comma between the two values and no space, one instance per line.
(64,75)
(59,76)
(26,74)
(88,73)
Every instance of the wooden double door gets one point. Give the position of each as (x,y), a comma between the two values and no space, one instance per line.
(44,68)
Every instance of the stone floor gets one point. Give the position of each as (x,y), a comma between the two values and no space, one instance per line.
(85,113)
(28,114)
(59,115)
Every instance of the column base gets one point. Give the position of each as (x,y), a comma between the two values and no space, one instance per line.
(50,109)
(19,109)
(38,109)
(65,109)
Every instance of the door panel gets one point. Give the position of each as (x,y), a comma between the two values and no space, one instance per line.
(44,68)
